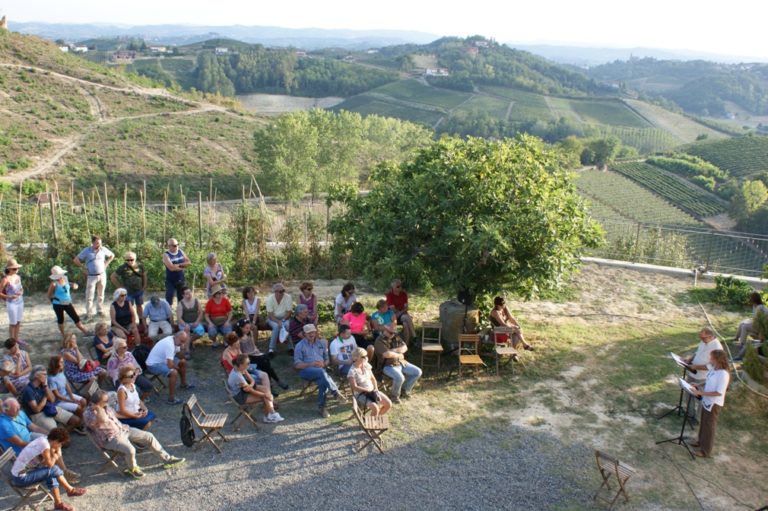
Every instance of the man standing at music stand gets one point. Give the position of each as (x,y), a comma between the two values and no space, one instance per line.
(698,363)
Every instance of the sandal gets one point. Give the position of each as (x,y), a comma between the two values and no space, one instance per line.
(76,492)
(64,506)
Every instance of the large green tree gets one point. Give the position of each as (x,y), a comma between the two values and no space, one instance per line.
(475,215)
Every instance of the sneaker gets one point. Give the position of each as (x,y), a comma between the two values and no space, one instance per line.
(87,318)
(405,395)
(172,462)
(78,431)
(135,472)
(268,419)
(324,413)
(275,417)
(188,386)
(271,354)
(283,386)
(395,400)
(175,401)
(72,476)
(147,400)
(341,398)
(215,345)
(274,392)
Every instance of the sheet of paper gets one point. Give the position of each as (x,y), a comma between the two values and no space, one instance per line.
(686,386)
(679,361)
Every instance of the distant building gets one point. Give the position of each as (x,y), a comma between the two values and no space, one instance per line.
(349,58)
(80,49)
(301,54)
(221,50)
(158,49)
(481,44)
(440,71)
(124,57)
(472,51)
(372,51)
(65,49)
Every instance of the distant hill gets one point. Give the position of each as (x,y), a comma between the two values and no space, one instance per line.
(306,38)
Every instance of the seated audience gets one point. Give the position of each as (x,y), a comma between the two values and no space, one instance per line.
(364,386)
(103,342)
(251,306)
(383,319)
(359,324)
(244,390)
(112,434)
(229,355)
(38,462)
(121,358)
(159,317)
(16,429)
(130,409)
(296,324)
(214,274)
(218,315)
(78,368)
(189,317)
(397,300)
(279,307)
(18,377)
(344,301)
(62,391)
(311,359)
(390,351)
(747,326)
(500,316)
(341,350)
(162,361)
(245,332)
(123,316)
(308,298)
(39,403)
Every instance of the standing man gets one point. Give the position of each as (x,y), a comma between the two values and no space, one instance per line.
(175,262)
(96,259)
(132,276)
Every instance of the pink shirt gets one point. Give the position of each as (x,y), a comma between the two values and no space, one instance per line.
(356,321)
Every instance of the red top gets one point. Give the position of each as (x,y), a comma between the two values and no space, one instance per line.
(216,310)
(398,301)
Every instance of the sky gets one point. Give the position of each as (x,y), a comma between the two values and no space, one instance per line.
(733,27)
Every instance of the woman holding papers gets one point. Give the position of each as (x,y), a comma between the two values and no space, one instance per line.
(698,363)
(712,399)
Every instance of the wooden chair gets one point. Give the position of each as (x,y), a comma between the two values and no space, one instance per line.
(609,468)
(208,424)
(373,426)
(243,410)
(430,343)
(469,351)
(109,455)
(503,348)
(156,378)
(34,495)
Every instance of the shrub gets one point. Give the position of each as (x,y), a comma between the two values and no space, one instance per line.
(731,291)
(753,366)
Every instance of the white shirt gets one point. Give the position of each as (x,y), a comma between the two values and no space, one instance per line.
(701,358)
(717,381)
(342,349)
(162,351)
(279,310)
(132,400)
(33,449)
(342,306)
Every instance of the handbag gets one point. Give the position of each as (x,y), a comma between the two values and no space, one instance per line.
(89,365)
(49,409)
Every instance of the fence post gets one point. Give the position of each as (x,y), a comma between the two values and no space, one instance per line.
(85,213)
(53,219)
(117,223)
(143,198)
(200,219)
(18,209)
(106,208)
(637,244)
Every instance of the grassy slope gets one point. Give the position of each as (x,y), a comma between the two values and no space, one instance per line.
(683,128)
(741,156)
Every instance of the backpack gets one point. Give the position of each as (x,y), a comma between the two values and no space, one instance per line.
(186,429)
(140,353)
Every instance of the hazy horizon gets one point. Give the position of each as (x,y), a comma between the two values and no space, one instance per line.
(657,24)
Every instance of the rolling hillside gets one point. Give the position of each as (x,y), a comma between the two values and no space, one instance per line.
(741,156)
(66,118)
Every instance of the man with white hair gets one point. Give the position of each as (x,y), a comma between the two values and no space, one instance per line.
(132,276)
(96,259)
(279,306)
(311,358)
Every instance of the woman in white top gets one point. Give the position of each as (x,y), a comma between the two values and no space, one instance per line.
(344,301)
(40,462)
(712,400)
(363,384)
(251,305)
(12,292)
(130,408)
(214,273)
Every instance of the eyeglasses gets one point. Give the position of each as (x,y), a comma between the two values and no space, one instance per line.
(129,260)
(129,375)
(122,295)
(173,245)
(280,291)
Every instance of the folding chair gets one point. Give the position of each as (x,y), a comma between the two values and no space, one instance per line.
(609,467)
(108,454)
(503,348)
(373,426)
(208,424)
(28,495)
(91,389)
(155,378)
(244,410)
(430,344)
(307,386)
(469,351)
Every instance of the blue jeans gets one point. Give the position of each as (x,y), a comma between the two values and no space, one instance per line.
(408,374)
(214,331)
(172,288)
(275,326)
(318,376)
(344,370)
(40,474)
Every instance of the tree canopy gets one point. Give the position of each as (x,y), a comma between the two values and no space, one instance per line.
(475,215)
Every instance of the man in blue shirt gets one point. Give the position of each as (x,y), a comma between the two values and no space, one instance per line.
(96,259)
(16,430)
(310,357)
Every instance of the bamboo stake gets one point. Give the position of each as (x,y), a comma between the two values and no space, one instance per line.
(165,214)
(125,203)
(117,222)
(2,194)
(106,208)
(58,202)
(18,209)
(200,219)
(143,200)
(85,213)
(72,197)
(53,219)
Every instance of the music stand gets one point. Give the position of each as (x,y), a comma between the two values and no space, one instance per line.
(680,440)
(678,410)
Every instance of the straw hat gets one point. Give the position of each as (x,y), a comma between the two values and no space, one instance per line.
(216,288)
(57,272)
(12,263)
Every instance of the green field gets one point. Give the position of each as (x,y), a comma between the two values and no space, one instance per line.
(620,198)
(679,126)
(685,195)
(494,107)
(412,90)
(368,105)
(741,156)
(527,105)
(609,112)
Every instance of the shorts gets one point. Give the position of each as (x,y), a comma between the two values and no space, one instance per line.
(15,312)
(362,341)
(161,369)
(240,398)
(136,298)
(363,400)
(66,405)
(60,309)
